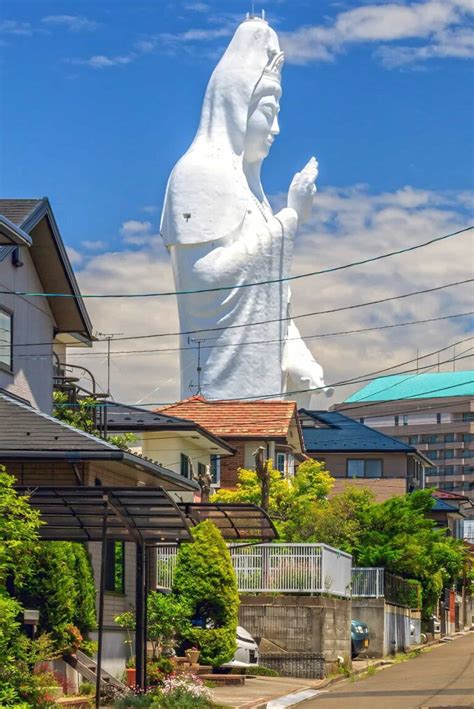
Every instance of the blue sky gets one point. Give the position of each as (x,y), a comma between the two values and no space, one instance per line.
(100,98)
(100,142)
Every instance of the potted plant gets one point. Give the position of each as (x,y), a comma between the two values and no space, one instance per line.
(193,655)
(131,672)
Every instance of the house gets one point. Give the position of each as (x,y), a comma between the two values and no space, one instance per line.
(40,451)
(356,453)
(36,329)
(433,412)
(450,511)
(245,426)
(182,446)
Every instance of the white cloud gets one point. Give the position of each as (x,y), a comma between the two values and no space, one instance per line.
(74,256)
(91,245)
(197,7)
(15,27)
(443,26)
(136,232)
(150,209)
(101,61)
(349,224)
(75,23)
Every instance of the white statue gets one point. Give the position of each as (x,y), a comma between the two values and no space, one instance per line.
(221,231)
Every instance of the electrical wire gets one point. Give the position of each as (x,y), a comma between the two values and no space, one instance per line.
(113,353)
(241,285)
(347,382)
(274,320)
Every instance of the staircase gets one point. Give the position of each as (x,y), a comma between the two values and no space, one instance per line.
(87,668)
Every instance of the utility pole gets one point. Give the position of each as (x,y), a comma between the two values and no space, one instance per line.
(199,368)
(108,336)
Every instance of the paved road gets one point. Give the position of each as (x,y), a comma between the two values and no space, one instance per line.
(443,677)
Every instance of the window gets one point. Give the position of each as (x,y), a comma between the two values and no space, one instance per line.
(449,437)
(468,437)
(431,470)
(413,440)
(6,341)
(438,418)
(360,468)
(362,419)
(397,420)
(216,469)
(115,567)
(468,454)
(449,453)
(468,416)
(185,468)
(281,462)
(432,455)
(430,439)
(405,420)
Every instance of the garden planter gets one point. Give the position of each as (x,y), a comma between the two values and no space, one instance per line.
(193,656)
(131,676)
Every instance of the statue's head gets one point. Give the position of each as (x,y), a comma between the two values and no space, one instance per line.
(262,121)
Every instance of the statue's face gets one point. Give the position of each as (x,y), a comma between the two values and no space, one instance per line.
(262,126)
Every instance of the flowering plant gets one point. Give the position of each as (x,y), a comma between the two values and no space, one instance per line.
(191,685)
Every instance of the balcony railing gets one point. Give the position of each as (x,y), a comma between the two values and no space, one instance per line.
(376,582)
(278,568)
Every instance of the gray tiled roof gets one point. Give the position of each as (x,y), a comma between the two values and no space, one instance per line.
(17,210)
(122,417)
(23,428)
(338,433)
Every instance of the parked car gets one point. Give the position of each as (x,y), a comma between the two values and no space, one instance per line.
(359,637)
(246,654)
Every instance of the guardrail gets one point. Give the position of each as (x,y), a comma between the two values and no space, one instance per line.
(282,568)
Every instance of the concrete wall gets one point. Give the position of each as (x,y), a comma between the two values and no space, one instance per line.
(389,625)
(32,375)
(299,624)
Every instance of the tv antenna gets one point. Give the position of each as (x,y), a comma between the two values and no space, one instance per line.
(197,342)
(108,336)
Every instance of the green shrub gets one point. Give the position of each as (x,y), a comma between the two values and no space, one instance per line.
(60,584)
(86,689)
(205,581)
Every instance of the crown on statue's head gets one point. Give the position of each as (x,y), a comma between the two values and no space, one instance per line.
(275,65)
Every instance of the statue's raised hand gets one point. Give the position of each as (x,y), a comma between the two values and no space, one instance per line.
(302,190)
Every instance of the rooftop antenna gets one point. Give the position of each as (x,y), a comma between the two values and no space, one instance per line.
(108,336)
(199,368)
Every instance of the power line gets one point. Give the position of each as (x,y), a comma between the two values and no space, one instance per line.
(95,353)
(275,320)
(332,269)
(366,377)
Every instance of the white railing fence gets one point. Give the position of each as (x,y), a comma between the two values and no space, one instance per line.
(283,568)
(368,582)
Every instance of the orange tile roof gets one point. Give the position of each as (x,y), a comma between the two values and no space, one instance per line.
(237,419)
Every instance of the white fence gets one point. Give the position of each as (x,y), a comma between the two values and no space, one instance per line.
(282,568)
(368,582)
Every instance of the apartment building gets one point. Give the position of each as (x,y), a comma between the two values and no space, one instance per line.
(432,412)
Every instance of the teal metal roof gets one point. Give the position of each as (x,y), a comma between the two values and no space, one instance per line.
(417,386)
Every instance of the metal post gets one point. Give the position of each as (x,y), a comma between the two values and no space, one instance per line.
(103,561)
(140,617)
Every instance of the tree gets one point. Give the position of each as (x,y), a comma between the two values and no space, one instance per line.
(206,584)
(292,502)
(60,584)
(167,615)
(19,525)
(395,534)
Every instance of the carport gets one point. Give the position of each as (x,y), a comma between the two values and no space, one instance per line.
(146,516)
